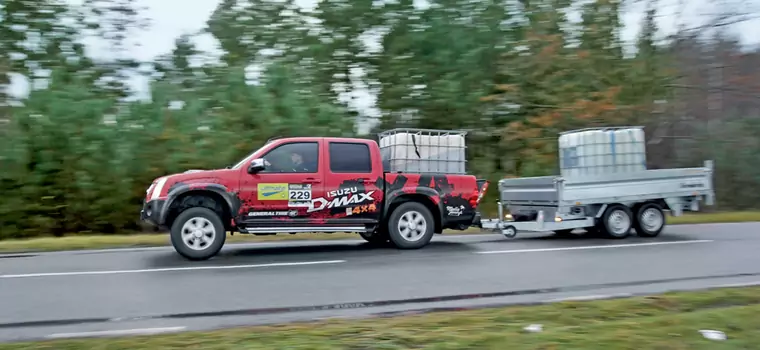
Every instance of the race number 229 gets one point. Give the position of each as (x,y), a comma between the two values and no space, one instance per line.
(299,195)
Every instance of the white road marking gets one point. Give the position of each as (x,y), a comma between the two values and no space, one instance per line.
(589,297)
(537,250)
(732,285)
(135,331)
(192,268)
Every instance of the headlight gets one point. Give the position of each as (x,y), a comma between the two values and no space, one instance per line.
(147,192)
(157,189)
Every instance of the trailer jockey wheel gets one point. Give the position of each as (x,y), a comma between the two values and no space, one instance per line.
(509,232)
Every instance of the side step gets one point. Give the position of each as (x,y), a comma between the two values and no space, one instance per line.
(304,229)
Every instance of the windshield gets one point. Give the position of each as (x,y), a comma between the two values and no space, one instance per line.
(242,161)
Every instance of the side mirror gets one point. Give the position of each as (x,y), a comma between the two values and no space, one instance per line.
(256,166)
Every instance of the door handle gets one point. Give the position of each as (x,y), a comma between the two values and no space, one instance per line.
(311,180)
(362,180)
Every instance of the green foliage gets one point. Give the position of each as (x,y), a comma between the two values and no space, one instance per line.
(77,159)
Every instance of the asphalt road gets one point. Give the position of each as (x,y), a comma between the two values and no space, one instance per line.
(94,293)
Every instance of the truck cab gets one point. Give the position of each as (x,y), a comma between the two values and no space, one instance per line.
(309,184)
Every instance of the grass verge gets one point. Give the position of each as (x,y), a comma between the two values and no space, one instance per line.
(82,241)
(715,218)
(667,321)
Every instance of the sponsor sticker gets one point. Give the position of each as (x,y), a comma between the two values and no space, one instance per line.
(290,213)
(366,208)
(455,211)
(272,191)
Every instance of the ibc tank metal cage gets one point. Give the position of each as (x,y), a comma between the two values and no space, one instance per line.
(600,128)
(591,153)
(411,150)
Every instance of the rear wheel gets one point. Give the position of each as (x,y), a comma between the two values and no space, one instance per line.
(198,233)
(411,226)
(650,220)
(617,221)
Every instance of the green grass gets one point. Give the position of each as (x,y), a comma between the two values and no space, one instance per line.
(714,218)
(90,241)
(668,321)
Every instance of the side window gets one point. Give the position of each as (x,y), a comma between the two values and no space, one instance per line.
(347,157)
(296,157)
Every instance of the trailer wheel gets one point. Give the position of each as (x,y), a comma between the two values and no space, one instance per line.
(411,226)
(617,221)
(198,233)
(650,220)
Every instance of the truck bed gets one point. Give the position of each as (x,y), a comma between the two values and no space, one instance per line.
(608,188)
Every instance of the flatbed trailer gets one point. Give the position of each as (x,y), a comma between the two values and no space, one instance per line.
(607,204)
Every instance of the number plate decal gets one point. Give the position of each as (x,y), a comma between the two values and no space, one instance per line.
(299,195)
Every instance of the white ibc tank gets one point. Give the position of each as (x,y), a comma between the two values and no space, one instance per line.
(410,152)
(602,151)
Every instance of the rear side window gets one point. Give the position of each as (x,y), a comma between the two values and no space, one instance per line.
(348,157)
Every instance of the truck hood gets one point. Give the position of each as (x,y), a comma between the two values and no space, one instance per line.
(163,185)
(198,175)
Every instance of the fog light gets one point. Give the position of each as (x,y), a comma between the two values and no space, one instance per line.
(557,219)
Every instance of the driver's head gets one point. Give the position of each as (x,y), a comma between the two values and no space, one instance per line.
(296,158)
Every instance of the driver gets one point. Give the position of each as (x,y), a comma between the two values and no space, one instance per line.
(297,165)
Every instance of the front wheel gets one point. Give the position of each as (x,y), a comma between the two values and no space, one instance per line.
(198,233)
(411,226)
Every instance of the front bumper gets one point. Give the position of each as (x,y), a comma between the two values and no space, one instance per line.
(151,211)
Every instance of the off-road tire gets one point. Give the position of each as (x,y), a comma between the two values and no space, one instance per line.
(201,215)
(411,237)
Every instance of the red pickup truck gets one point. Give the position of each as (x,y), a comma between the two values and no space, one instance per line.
(311,184)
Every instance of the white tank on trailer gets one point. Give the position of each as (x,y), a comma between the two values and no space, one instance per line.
(424,150)
(604,150)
